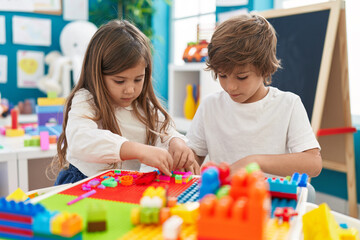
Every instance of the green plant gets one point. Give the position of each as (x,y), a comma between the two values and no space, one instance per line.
(138,12)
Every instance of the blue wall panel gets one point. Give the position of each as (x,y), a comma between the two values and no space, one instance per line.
(10,90)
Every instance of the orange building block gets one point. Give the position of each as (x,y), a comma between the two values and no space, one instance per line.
(242,215)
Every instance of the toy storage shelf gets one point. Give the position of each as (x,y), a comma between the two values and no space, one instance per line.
(179,77)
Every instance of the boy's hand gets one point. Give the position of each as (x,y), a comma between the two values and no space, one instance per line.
(195,169)
(158,158)
(183,156)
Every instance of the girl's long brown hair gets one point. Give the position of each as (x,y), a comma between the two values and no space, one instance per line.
(115,47)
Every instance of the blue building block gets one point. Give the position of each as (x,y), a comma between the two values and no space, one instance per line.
(20,208)
(42,222)
(282,186)
(300,179)
(50,109)
(53,130)
(210,181)
(13,236)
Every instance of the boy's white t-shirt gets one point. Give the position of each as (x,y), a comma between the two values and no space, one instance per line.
(91,148)
(229,131)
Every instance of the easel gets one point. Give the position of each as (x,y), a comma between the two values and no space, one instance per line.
(338,149)
(331,107)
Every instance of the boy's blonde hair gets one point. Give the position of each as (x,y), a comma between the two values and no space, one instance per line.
(242,40)
(114,48)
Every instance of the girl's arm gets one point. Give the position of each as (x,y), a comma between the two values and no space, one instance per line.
(309,162)
(149,155)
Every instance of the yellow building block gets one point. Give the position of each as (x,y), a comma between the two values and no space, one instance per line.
(50,101)
(349,234)
(320,224)
(15,132)
(18,196)
(189,212)
(57,222)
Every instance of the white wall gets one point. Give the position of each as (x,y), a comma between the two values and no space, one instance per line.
(353,35)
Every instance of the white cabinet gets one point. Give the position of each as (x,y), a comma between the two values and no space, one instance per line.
(179,77)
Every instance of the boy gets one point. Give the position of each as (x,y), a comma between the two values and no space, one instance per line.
(250,121)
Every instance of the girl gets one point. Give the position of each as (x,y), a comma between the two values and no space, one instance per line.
(112,116)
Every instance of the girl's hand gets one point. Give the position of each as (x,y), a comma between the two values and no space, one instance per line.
(183,156)
(157,158)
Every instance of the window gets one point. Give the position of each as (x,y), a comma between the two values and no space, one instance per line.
(187,17)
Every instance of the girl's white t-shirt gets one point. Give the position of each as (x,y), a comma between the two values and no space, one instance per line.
(229,131)
(91,148)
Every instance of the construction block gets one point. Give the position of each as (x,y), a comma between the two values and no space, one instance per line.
(349,234)
(210,181)
(178,179)
(282,185)
(44,141)
(50,101)
(72,225)
(50,109)
(18,196)
(189,212)
(300,179)
(14,118)
(164,178)
(109,182)
(149,215)
(172,227)
(20,208)
(15,132)
(42,222)
(245,210)
(55,118)
(319,223)
(96,218)
(52,129)
(51,94)
(52,139)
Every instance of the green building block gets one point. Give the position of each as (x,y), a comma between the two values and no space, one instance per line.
(109,182)
(223,191)
(51,94)
(252,167)
(149,215)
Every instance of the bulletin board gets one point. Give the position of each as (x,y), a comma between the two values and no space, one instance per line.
(10,89)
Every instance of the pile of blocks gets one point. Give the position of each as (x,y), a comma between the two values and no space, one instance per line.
(50,114)
(179,177)
(19,220)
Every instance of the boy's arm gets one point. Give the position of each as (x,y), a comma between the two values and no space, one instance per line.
(309,162)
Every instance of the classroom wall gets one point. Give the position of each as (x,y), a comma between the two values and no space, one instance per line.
(10,90)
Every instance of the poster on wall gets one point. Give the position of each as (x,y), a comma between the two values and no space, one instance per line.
(17,5)
(76,10)
(2,30)
(47,6)
(30,68)
(3,68)
(31,31)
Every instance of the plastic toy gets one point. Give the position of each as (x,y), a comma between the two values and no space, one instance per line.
(196,52)
(96,218)
(244,210)
(189,103)
(74,39)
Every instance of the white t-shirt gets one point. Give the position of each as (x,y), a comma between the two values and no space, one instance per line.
(91,148)
(229,131)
